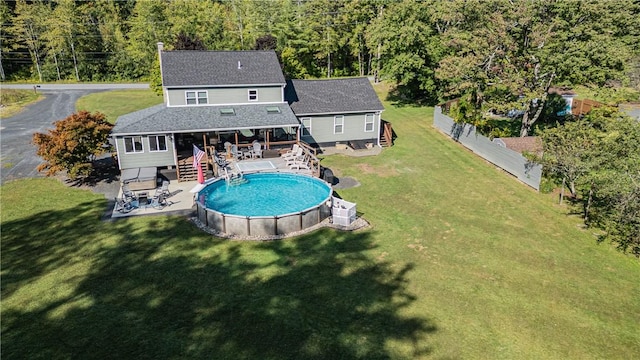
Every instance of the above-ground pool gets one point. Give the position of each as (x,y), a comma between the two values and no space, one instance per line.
(264,204)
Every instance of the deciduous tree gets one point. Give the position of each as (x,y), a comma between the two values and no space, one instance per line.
(599,158)
(569,152)
(148,26)
(612,193)
(186,42)
(29,25)
(73,144)
(408,46)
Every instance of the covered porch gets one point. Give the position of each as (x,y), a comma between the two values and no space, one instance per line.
(272,140)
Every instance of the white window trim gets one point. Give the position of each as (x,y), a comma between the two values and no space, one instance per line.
(196,94)
(338,120)
(304,127)
(249,95)
(156,137)
(372,122)
(206,97)
(187,98)
(124,140)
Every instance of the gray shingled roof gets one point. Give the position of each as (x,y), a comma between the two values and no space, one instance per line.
(219,68)
(308,97)
(162,119)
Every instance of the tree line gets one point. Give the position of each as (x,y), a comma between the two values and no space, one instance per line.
(485,51)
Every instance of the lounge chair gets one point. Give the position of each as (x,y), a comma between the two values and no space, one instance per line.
(294,156)
(294,149)
(301,157)
(127,194)
(159,202)
(123,206)
(163,190)
(221,162)
(300,164)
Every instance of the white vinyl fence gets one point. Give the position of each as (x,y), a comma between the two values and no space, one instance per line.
(506,159)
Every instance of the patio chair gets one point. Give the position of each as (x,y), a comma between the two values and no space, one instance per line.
(235,154)
(163,190)
(123,206)
(256,152)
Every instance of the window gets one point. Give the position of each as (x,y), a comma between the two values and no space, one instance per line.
(338,124)
(133,144)
(227,111)
(196,97)
(253,95)
(368,123)
(306,127)
(157,143)
(273,110)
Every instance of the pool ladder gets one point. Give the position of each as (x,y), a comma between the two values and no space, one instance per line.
(234,178)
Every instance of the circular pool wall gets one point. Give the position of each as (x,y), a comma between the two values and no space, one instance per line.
(264,204)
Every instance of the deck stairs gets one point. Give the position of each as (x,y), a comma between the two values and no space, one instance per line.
(386,136)
(186,171)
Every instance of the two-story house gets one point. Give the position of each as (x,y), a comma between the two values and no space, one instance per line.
(212,98)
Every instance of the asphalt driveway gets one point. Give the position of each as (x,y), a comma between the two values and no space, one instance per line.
(17,154)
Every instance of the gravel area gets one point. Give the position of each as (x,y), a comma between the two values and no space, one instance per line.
(346,183)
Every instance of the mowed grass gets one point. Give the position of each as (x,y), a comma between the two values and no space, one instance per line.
(14,100)
(460,261)
(118,102)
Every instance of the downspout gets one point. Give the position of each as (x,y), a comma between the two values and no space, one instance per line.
(175,152)
(380,129)
(115,139)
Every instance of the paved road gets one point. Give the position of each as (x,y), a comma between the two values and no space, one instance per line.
(64,87)
(17,153)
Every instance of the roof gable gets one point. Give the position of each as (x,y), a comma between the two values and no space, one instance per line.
(185,68)
(332,96)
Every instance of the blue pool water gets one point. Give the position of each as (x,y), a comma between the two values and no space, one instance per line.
(266,194)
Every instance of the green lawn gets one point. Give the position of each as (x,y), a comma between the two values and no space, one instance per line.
(118,102)
(461,261)
(14,100)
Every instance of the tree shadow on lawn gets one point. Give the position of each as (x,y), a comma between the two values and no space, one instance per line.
(168,291)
